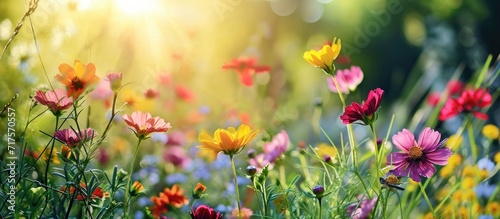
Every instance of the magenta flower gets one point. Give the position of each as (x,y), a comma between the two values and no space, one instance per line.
(418,158)
(72,139)
(204,212)
(347,79)
(361,210)
(364,112)
(143,124)
(272,150)
(56,100)
(470,101)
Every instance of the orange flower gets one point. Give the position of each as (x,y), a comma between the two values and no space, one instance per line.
(97,193)
(169,197)
(198,191)
(77,79)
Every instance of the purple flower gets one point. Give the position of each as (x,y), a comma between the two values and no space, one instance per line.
(363,210)
(348,79)
(418,158)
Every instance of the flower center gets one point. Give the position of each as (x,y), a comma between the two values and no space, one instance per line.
(76,83)
(393,180)
(415,152)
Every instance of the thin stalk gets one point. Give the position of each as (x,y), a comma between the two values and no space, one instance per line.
(127,189)
(320,209)
(113,114)
(472,141)
(422,189)
(236,185)
(50,154)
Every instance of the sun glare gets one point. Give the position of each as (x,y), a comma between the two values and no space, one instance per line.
(135,7)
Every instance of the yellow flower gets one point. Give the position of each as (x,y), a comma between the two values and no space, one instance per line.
(77,78)
(137,188)
(493,208)
(468,183)
(497,157)
(324,58)
(326,151)
(469,171)
(229,142)
(455,160)
(454,142)
(447,171)
(490,131)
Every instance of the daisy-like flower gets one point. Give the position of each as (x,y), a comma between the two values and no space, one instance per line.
(324,58)
(361,210)
(73,139)
(143,124)
(348,80)
(417,159)
(204,212)
(77,78)
(470,101)
(229,142)
(170,197)
(56,100)
(364,112)
(246,67)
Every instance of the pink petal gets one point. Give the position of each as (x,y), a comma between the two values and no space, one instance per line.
(404,140)
(480,115)
(425,168)
(397,158)
(246,77)
(429,139)
(439,156)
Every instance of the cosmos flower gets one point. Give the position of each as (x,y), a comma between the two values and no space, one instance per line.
(77,78)
(229,142)
(56,100)
(364,112)
(143,124)
(73,139)
(348,80)
(417,159)
(204,212)
(361,210)
(324,58)
(470,101)
(246,68)
(170,197)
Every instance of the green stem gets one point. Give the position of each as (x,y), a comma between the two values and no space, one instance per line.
(50,155)
(427,199)
(236,185)
(113,114)
(472,141)
(127,189)
(320,209)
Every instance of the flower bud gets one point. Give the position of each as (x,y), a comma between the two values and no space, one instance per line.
(115,81)
(121,175)
(251,170)
(137,188)
(198,191)
(318,191)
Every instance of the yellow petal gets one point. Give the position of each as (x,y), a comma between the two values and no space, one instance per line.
(80,69)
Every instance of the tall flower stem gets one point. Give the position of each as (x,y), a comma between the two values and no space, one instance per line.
(236,185)
(50,154)
(422,189)
(377,159)
(127,189)
(472,141)
(113,114)
(350,131)
(320,209)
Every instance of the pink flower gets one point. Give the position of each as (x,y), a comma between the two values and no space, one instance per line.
(56,100)
(176,156)
(115,81)
(246,68)
(184,93)
(418,158)
(470,101)
(151,94)
(72,139)
(361,210)
(347,79)
(364,112)
(272,151)
(143,124)
(102,92)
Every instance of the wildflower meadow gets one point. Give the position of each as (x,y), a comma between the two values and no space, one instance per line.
(242,109)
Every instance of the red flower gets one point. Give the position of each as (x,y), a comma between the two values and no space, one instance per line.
(169,197)
(246,68)
(364,111)
(144,124)
(204,212)
(453,87)
(469,101)
(56,100)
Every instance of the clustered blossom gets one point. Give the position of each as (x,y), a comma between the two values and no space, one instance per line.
(364,112)
(417,159)
(272,150)
(170,197)
(143,124)
(73,139)
(56,100)
(347,79)
(470,101)
(246,67)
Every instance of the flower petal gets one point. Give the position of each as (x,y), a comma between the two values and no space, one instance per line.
(429,139)
(404,140)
